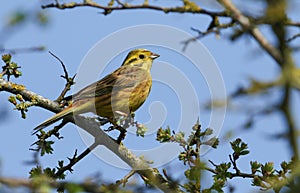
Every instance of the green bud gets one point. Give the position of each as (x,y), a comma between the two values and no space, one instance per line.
(12,99)
(6,58)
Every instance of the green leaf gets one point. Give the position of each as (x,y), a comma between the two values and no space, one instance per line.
(239,148)
(163,135)
(46,147)
(6,58)
(267,169)
(35,172)
(254,166)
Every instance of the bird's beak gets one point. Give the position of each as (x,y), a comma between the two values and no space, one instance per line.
(154,56)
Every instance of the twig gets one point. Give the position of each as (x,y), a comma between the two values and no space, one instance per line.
(42,137)
(292,23)
(75,159)
(120,3)
(211,29)
(232,175)
(61,62)
(70,81)
(233,161)
(293,37)
(125,179)
(212,163)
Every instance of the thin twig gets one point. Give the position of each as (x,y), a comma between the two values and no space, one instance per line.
(126,178)
(211,30)
(293,37)
(61,62)
(70,81)
(233,161)
(75,159)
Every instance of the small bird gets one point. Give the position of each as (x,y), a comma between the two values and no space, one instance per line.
(121,92)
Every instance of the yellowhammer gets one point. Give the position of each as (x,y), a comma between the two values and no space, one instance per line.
(121,92)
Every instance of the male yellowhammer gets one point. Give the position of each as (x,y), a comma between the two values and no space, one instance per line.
(123,91)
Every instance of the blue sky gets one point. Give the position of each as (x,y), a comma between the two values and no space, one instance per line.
(72,33)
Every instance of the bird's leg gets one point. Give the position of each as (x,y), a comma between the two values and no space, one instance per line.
(103,121)
(115,125)
(128,121)
(122,135)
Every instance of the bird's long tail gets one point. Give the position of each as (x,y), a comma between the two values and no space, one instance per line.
(67,111)
(53,119)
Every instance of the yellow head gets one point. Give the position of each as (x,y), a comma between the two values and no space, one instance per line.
(140,58)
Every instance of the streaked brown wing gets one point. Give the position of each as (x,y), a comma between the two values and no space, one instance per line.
(123,77)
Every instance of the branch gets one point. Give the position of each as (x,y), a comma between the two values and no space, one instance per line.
(290,122)
(232,175)
(101,138)
(86,186)
(124,6)
(213,28)
(75,160)
(29,95)
(254,31)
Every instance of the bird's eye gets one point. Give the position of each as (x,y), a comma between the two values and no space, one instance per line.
(141,56)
